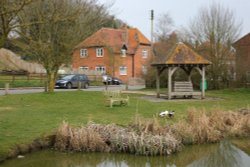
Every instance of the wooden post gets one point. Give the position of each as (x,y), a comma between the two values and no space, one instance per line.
(79,84)
(7,85)
(126,86)
(189,77)
(169,83)
(203,82)
(45,86)
(171,71)
(157,83)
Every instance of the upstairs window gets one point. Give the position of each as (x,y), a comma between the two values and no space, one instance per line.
(84,68)
(144,53)
(83,53)
(123,70)
(123,52)
(99,52)
(100,69)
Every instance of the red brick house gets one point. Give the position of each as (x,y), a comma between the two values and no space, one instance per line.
(242,47)
(123,53)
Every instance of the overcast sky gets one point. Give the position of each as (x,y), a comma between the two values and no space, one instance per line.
(136,13)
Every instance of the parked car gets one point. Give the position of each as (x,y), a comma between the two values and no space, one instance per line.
(116,81)
(106,79)
(73,81)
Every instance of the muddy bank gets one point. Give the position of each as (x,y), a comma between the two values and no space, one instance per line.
(37,144)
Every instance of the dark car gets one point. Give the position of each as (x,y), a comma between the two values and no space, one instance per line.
(116,81)
(106,79)
(73,81)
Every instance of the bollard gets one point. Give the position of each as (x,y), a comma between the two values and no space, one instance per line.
(79,85)
(7,85)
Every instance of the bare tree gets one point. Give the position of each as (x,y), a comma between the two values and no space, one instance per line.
(164,27)
(212,33)
(9,10)
(57,26)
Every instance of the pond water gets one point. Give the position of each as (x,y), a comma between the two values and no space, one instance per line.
(235,153)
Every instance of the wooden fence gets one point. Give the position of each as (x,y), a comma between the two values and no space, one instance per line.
(38,77)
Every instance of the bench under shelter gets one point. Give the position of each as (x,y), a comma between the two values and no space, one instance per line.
(180,56)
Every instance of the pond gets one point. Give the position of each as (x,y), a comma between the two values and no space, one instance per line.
(235,153)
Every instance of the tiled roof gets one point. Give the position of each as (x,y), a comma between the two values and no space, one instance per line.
(178,55)
(245,37)
(115,39)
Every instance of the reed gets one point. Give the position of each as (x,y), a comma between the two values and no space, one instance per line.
(113,138)
(80,139)
(148,137)
(212,126)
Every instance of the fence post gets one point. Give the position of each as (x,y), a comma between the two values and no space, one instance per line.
(45,86)
(7,85)
(79,84)
(28,77)
(41,77)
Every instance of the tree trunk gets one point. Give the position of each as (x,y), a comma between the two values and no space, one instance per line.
(51,76)
(3,39)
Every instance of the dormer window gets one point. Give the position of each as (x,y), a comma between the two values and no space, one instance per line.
(99,52)
(123,51)
(83,53)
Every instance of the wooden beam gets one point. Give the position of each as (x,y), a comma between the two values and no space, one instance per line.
(171,71)
(203,83)
(169,83)
(158,82)
(199,70)
(202,73)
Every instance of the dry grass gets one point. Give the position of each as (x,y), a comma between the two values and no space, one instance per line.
(113,138)
(148,137)
(82,139)
(203,126)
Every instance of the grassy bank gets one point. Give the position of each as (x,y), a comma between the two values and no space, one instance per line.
(26,117)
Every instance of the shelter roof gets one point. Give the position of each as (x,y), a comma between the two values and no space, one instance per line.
(180,54)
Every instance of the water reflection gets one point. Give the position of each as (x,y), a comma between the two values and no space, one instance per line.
(223,154)
(226,155)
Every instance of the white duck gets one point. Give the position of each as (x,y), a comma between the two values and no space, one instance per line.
(167,113)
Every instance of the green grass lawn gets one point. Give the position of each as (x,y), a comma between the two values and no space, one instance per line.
(22,83)
(29,116)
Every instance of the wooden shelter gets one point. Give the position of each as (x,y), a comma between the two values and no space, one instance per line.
(180,56)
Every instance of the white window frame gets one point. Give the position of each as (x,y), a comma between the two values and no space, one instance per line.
(101,69)
(84,68)
(123,52)
(144,70)
(83,53)
(123,70)
(99,52)
(144,53)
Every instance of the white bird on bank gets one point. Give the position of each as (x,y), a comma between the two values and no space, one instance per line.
(167,113)
(20,156)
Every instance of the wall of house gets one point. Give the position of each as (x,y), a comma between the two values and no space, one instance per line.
(243,58)
(91,61)
(123,61)
(111,61)
(140,61)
